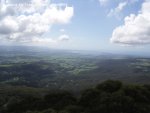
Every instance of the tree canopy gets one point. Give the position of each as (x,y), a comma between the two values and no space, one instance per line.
(107,97)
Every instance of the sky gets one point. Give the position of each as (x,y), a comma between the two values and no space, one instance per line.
(103,25)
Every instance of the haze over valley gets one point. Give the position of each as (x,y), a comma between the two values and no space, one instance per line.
(74,56)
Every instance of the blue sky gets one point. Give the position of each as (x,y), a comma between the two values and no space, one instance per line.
(103,25)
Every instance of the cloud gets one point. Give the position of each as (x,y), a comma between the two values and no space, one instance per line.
(103,2)
(53,41)
(62,30)
(136,28)
(37,40)
(64,37)
(133,1)
(32,21)
(116,11)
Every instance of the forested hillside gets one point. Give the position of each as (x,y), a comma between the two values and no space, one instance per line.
(107,97)
(47,81)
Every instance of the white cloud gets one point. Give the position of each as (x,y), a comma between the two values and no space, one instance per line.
(136,28)
(64,37)
(62,30)
(43,40)
(53,41)
(103,2)
(8,25)
(116,11)
(33,20)
(132,1)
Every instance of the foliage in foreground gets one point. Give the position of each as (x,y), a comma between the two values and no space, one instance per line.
(107,97)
